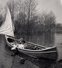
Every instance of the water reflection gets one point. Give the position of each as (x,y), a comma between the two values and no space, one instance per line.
(46,39)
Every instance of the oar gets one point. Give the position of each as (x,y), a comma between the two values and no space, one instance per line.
(36,44)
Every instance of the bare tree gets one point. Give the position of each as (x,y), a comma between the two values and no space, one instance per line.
(30,10)
(48,20)
(24,13)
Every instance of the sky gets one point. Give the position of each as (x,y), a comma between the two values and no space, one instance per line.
(3,2)
(46,5)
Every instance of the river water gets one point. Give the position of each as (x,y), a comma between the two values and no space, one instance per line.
(6,61)
(46,40)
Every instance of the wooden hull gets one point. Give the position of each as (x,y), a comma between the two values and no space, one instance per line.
(46,53)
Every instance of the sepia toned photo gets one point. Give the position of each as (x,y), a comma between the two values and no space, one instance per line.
(30,33)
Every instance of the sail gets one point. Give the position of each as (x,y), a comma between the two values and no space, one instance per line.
(7,27)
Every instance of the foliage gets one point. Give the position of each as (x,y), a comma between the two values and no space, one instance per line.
(49,21)
(26,20)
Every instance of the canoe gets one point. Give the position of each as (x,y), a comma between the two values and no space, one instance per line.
(44,52)
(9,40)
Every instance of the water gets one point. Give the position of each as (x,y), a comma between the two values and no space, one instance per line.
(58,39)
(44,39)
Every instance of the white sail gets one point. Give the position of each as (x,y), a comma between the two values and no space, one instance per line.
(7,27)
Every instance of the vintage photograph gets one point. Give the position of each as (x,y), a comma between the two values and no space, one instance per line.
(30,33)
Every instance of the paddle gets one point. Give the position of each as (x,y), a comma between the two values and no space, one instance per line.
(36,44)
